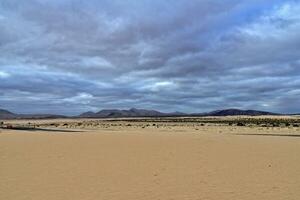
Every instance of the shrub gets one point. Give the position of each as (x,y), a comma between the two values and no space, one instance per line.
(240,124)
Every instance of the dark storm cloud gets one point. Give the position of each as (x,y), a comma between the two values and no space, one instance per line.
(69,56)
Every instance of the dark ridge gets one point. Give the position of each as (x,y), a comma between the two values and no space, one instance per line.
(113,113)
(133,112)
(5,114)
(233,112)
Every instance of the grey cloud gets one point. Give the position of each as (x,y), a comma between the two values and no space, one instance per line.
(170,55)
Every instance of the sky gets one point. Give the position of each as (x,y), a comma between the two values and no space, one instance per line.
(72,56)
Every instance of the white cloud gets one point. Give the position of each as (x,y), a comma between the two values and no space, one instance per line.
(96,62)
(162,85)
(278,23)
(80,98)
(4,74)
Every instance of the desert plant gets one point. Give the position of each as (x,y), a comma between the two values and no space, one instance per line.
(240,124)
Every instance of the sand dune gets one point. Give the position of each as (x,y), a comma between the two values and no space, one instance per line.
(183,162)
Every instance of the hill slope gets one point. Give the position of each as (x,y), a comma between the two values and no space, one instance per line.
(233,112)
(133,112)
(5,114)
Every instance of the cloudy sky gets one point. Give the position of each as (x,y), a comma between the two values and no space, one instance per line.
(71,56)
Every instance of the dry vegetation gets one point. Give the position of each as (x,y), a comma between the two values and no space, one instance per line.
(228,124)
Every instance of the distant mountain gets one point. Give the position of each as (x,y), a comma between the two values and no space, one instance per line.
(5,114)
(176,114)
(40,116)
(87,114)
(133,112)
(233,112)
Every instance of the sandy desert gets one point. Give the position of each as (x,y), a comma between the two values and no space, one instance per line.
(149,100)
(177,158)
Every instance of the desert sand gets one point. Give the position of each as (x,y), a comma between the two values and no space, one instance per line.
(143,160)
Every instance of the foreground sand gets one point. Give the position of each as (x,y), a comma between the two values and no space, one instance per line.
(150,163)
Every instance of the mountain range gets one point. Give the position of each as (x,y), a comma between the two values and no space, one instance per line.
(233,112)
(133,112)
(5,114)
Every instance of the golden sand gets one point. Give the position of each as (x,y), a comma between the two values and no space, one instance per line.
(129,163)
